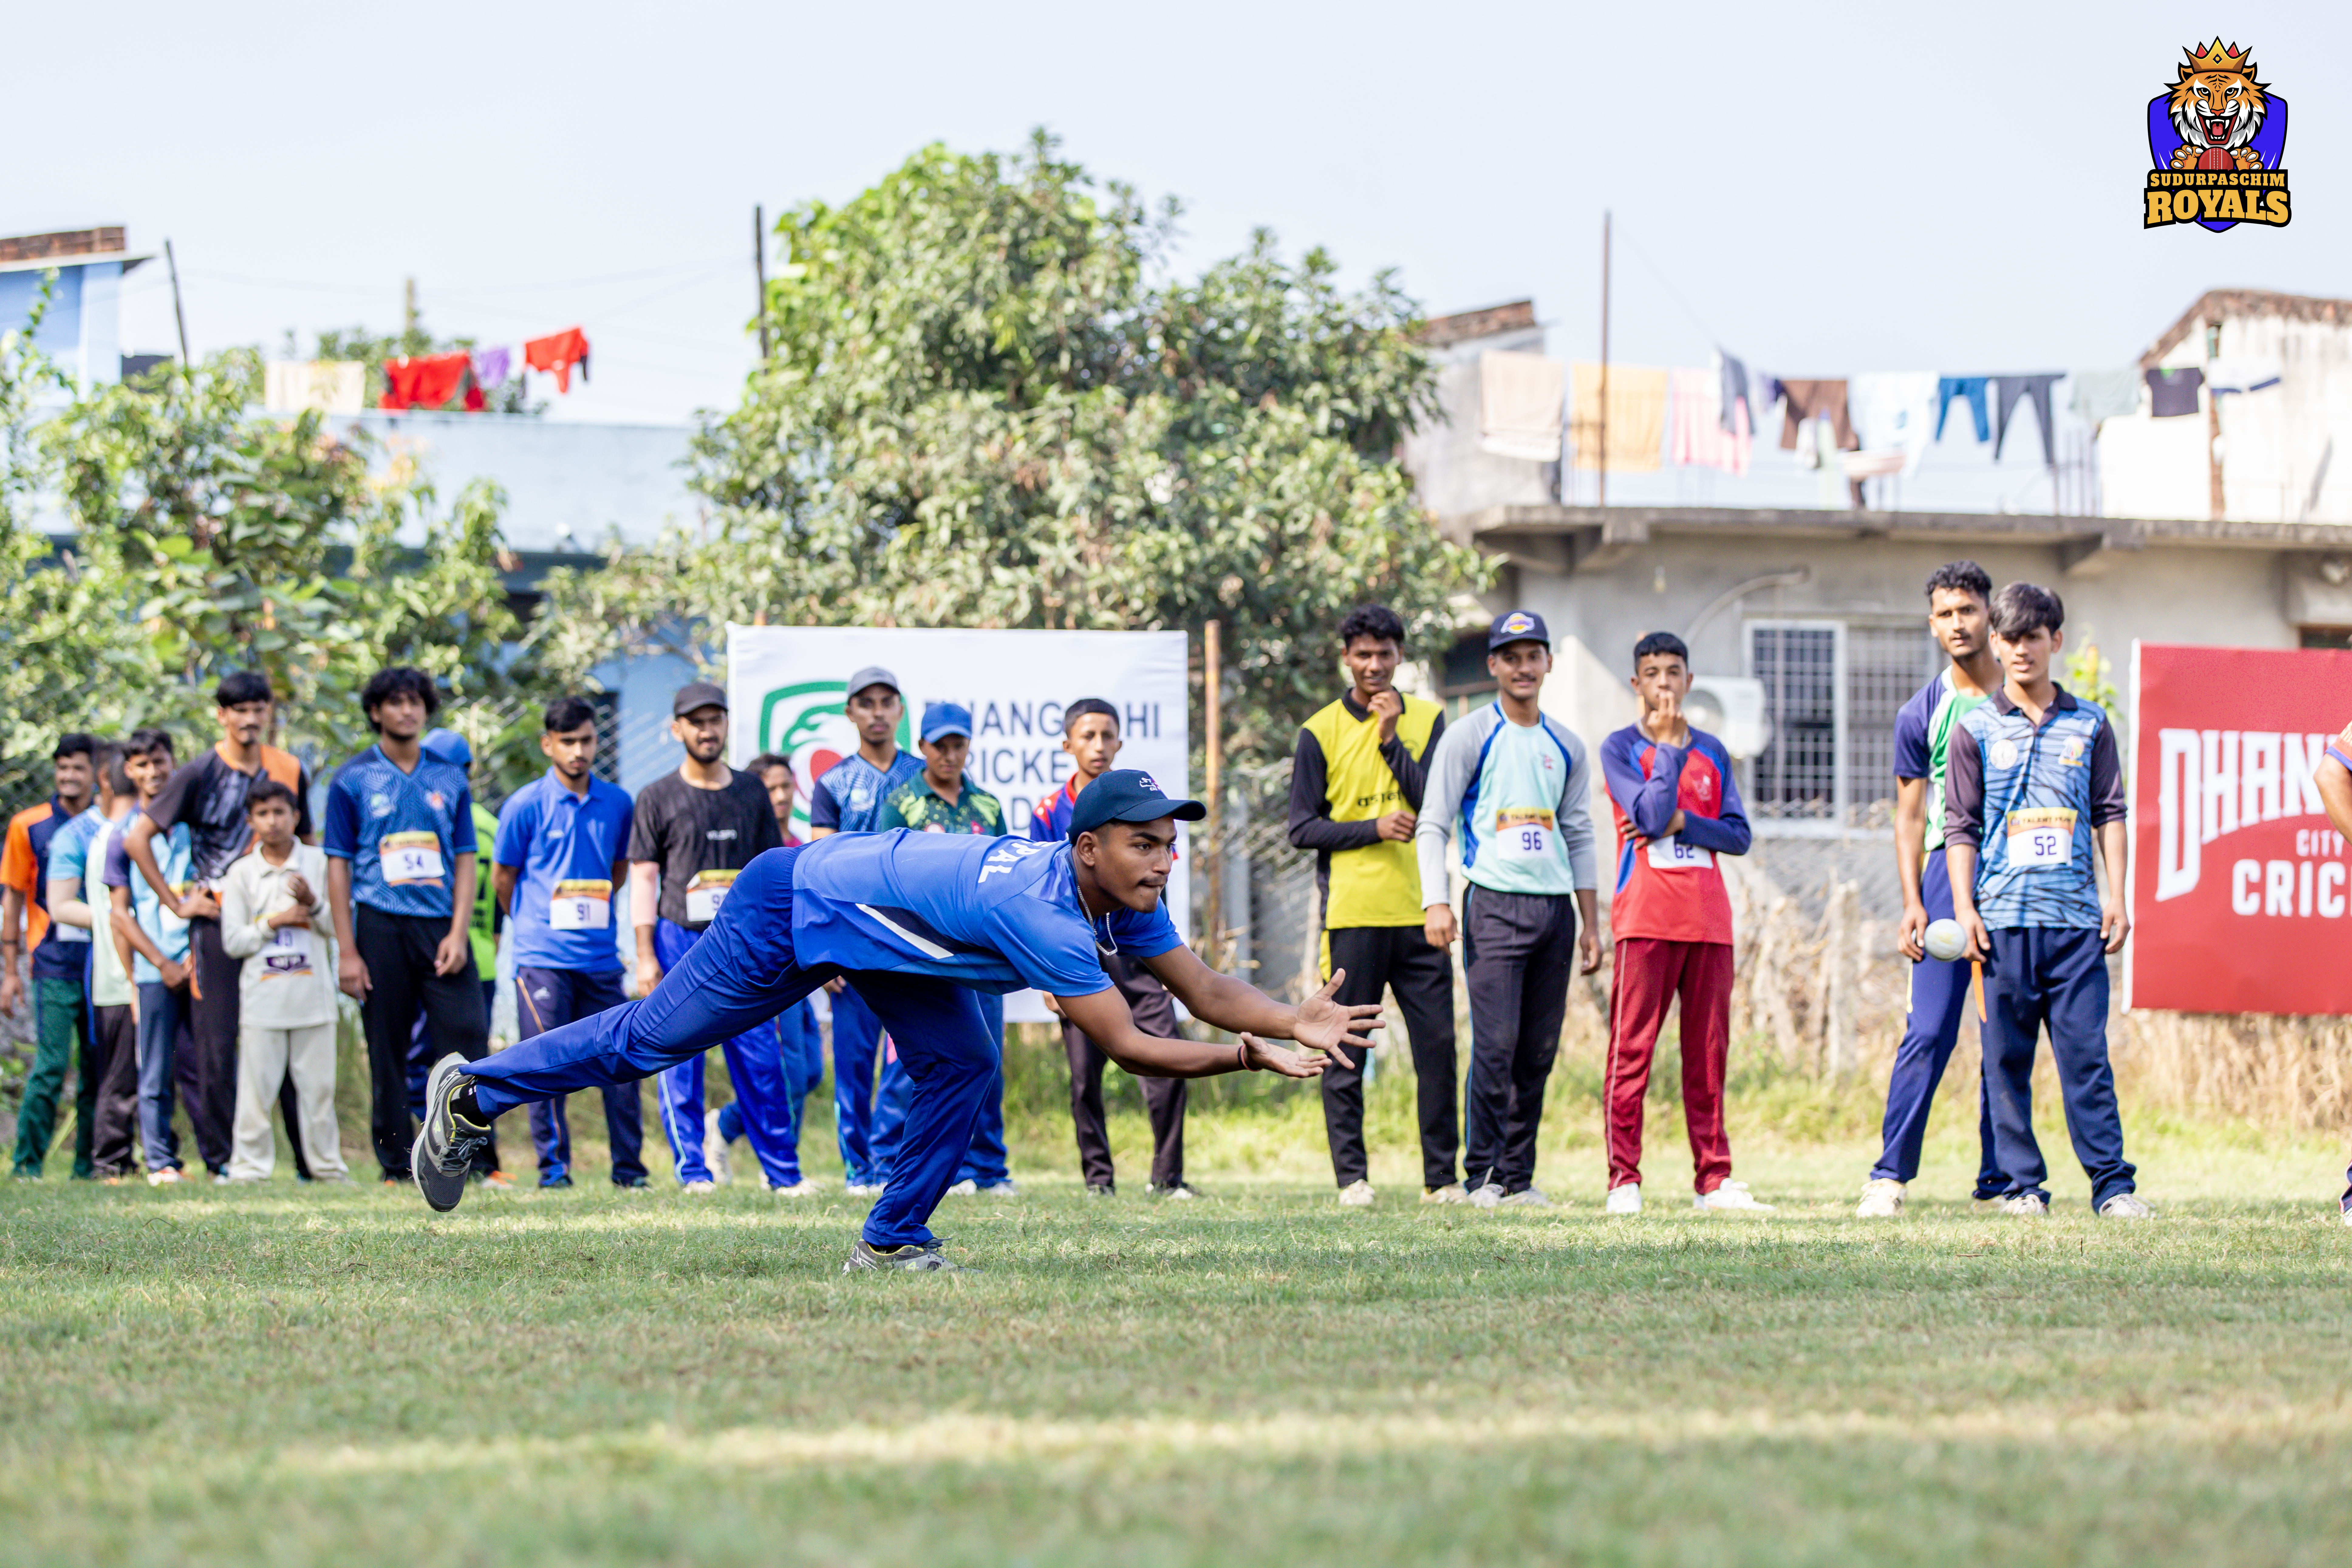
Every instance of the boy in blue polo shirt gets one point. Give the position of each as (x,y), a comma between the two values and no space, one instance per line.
(400,875)
(2033,788)
(919,921)
(563,849)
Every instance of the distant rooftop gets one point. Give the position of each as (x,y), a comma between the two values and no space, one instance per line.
(2225,304)
(26,252)
(1440,332)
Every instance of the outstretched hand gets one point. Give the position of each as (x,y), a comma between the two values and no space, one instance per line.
(1325,1026)
(1266,1056)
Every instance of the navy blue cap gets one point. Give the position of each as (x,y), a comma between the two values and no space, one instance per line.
(1518,625)
(947,718)
(1126,795)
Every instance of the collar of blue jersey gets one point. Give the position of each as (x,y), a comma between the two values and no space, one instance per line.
(2002,702)
(555,781)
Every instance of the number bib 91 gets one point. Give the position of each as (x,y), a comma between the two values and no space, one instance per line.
(2042,837)
(582,905)
(410,858)
(1523,834)
(705,894)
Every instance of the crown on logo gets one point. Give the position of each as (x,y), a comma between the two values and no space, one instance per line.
(2217,57)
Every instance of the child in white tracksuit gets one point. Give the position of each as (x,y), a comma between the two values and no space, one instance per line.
(274,917)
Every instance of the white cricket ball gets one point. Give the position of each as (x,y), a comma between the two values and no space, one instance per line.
(1945,941)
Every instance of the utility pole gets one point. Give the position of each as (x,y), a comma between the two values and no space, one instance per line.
(178,314)
(408,308)
(760,272)
(1603,442)
(1213,724)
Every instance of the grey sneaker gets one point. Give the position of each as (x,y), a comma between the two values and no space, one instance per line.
(2125,1206)
(1527,1198)
(714,1149)
(1451,1193)
(964,1189)
(446,1143)
(1488,1197)
(2027,1205)
(924,1259)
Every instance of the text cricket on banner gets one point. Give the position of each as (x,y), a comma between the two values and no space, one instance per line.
(2240,890)
(786,687)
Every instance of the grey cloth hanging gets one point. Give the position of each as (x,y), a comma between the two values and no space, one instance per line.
(2037,387)
(2173,393)
(1735,391)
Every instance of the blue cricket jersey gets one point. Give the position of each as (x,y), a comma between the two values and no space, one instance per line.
(850,795)
(2026,796)
(401,832)
(995,914)
(565,846)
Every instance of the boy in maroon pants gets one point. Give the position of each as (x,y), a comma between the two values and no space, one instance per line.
(1677,807)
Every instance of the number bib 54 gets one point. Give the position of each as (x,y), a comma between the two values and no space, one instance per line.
(410,858)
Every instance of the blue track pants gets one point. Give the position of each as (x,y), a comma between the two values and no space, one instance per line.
(1931,1028)
(548,999)
(757,1066)
(2040,974)
(741,973)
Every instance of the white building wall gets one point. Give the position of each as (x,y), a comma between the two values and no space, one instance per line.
(1451,473)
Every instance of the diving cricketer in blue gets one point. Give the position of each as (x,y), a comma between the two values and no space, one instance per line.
(918,922)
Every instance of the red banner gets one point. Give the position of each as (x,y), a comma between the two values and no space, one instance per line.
(2240,891)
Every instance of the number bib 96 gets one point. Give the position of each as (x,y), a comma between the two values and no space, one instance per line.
(2042,837)
(1522,834)
(705,894)
(410,858)
(582,905)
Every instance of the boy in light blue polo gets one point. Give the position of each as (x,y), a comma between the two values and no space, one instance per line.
(563,851)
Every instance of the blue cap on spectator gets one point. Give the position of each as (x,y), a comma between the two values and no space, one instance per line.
(943,719)
(447,746)
(1518,625)
(1126,795)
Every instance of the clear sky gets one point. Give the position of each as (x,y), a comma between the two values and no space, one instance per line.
(1822,188)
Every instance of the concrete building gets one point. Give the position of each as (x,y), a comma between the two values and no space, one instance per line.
(1817,613)
(81,330)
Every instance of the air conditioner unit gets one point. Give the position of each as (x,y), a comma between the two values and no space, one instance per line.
(1731,709)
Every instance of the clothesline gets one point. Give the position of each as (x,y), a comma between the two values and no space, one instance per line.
(430,381)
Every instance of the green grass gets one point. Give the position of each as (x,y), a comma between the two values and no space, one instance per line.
(301,1375)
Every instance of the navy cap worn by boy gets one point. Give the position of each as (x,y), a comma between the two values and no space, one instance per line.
(944,718)
(1518,625)
(1126,795)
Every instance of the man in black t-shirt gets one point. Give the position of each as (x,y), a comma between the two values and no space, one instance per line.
(694,830)
(208,795)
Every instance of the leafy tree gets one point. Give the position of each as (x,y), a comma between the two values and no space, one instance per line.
(981,411)
(209,538)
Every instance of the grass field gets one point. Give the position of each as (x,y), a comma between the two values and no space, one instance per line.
(291,1375)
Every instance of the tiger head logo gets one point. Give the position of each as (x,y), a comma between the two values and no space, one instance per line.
(2218,108)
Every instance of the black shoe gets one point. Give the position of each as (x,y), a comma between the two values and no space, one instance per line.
(1101,1190)
(446,1143)
(627,1181)
(923,1258)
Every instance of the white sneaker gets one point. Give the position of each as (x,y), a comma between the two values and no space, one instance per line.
(1356,1195)
(714,1149)
(2028,1205)
(1486,1197)
(1625,1199)
(2347,1215)
(1882,1198)
(863,1189)
(804,1188)
(1729,1197)
(1527,1198)
(964,1189)
(1451,1193)
(698,1187)
(2125,1206)
(170,1176)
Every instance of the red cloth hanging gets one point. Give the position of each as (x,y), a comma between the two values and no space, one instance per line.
(427,381)
(559,351)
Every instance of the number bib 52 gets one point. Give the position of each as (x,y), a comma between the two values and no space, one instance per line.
(2041,837)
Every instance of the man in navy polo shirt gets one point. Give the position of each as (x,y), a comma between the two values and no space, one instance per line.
(849,799)
(563,849)
(919,921)
(400,875)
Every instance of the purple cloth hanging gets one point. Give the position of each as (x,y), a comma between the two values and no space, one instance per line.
(490,366)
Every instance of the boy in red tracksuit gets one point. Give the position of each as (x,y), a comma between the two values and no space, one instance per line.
(1677,804)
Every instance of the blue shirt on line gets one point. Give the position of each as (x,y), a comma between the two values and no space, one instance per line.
(850,795)
(372,801)
(553,836)
(995,914)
